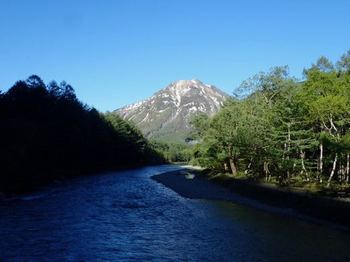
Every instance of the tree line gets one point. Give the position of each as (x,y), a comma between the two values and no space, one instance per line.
(48,134)
(173,152)
(283,129)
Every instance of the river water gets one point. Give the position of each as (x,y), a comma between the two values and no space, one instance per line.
(126,216)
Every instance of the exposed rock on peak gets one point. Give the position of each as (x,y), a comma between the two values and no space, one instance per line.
(167,113)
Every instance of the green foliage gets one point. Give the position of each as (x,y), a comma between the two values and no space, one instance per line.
(281,129)
(343,64)
(200,124)
(173,152)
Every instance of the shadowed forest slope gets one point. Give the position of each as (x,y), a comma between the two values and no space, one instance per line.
(47,134)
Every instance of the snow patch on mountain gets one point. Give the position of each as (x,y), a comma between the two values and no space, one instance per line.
(170,110)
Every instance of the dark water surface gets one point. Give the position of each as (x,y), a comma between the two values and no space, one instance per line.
(126,216)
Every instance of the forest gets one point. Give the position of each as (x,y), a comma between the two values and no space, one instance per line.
(283,130)
(174,152)
(47,134)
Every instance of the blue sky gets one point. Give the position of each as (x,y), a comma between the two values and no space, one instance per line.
(117,52)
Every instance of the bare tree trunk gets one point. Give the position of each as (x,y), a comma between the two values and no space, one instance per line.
(249,165)
(267,171)
(302,156)
(347,167)
(289,139)
(225,166)
(288,150)
(233,167)
(321,162)
(341,172)
(333,169)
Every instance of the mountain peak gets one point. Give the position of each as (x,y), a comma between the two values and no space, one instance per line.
(187,82)
(168,112)
(194,83)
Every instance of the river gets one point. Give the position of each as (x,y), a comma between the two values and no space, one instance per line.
(126,216)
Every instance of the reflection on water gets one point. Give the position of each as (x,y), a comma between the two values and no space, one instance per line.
(128,216)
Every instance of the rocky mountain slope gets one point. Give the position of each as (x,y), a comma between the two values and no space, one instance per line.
(166,115)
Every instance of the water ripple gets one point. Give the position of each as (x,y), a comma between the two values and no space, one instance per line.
(126,216)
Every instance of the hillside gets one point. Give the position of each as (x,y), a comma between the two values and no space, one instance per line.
(166,114)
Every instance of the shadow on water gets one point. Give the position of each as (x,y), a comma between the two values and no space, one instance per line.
(128,216)
(282,238)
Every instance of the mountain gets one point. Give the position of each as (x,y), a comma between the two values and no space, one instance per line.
(166,114)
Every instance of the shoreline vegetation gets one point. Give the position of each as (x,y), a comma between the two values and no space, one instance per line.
(281,130)
(48,135)
(304,205)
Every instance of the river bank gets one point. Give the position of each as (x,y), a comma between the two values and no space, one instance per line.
(306,206)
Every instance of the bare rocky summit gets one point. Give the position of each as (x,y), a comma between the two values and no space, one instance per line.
(166,115)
